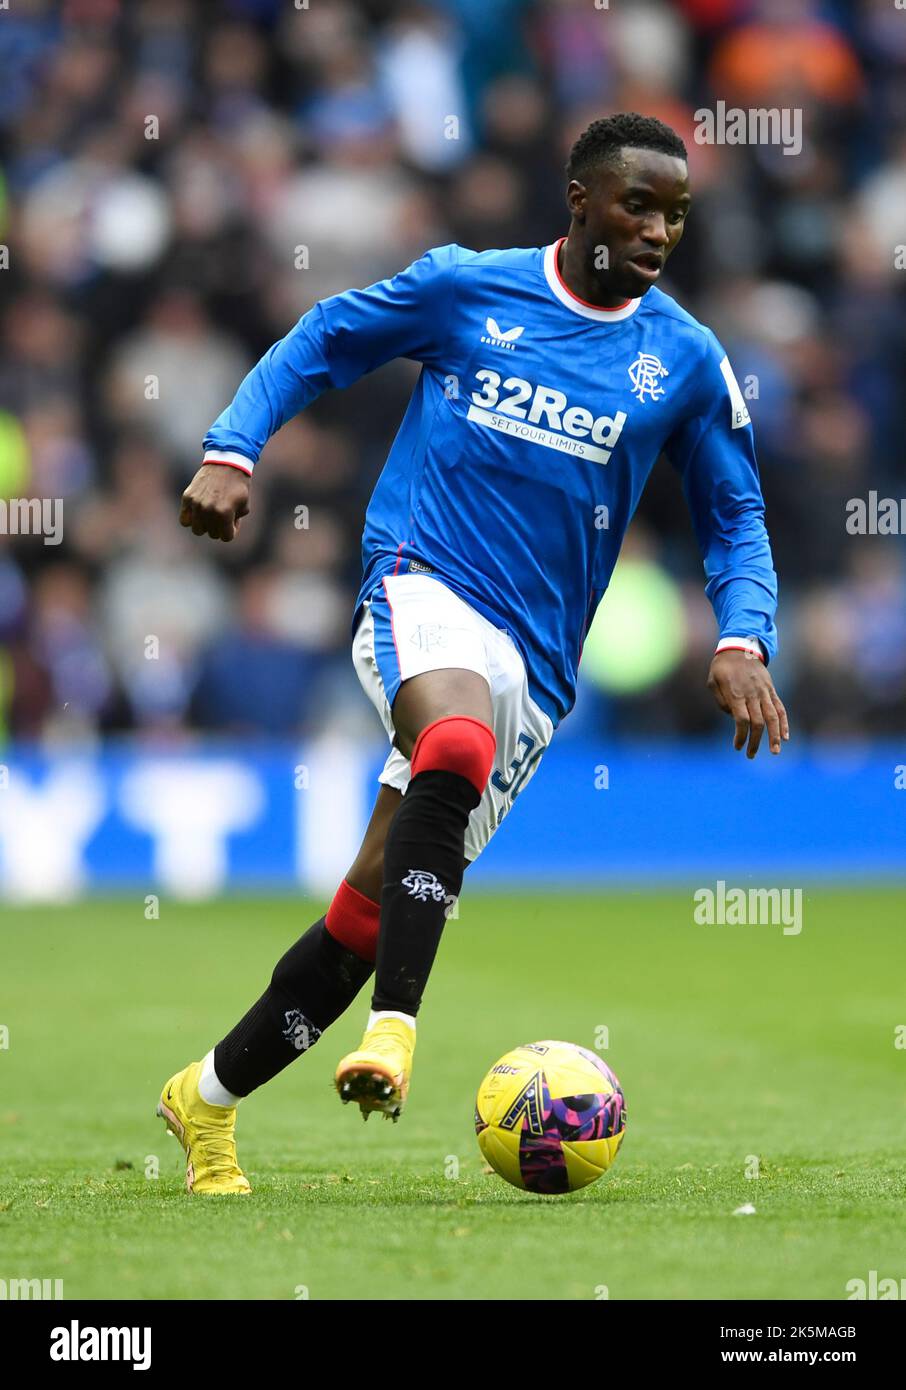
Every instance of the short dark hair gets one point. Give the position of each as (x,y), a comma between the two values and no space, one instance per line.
(602,141)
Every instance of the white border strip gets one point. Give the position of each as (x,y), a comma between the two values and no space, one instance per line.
(234,460)
(740,644)
(587,311)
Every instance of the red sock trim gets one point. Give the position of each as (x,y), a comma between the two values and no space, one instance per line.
(456,743)
(353,920)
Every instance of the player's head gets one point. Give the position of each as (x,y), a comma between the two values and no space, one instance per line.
(629,193)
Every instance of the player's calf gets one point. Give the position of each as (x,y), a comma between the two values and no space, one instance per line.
(423,870)
(313,983)
(311,986)
(423,856)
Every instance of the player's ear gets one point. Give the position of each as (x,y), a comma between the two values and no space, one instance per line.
(576,198)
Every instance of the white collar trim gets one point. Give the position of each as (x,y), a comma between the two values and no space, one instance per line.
(579,306)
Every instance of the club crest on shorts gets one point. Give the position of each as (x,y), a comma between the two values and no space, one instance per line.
(422,885)
(645,373)
(428,635)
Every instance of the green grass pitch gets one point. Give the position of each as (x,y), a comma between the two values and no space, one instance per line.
(730,1042)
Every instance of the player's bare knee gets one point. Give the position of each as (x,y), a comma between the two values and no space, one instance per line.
(423,700)
(367,873)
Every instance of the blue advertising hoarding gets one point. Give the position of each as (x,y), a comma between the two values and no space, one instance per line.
(207,819)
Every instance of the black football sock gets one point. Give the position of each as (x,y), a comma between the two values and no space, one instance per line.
(423,870)
(312,985)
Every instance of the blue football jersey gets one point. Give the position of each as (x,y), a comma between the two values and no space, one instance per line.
(531,432)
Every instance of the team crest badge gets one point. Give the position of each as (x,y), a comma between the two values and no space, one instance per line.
(645,374)
(422,885)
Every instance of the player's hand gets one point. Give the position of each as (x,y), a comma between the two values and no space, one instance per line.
(742,686)
(215,501)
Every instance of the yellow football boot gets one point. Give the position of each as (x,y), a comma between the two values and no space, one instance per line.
(377,1075)
(206,1132)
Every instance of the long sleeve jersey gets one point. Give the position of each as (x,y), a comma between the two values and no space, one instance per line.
(535,424)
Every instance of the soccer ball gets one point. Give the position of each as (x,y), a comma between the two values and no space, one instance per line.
(550,1117)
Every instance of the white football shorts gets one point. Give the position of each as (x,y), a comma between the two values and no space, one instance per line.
(413,624)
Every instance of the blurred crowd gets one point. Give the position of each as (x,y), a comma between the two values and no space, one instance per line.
(181,181)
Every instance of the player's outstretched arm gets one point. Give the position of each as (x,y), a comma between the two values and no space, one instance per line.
(335,343)
(713,450)
(215,502)
(742,686)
